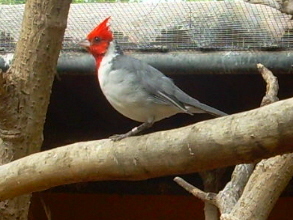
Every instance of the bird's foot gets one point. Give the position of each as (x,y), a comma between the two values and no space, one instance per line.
(118,137)
(133,131)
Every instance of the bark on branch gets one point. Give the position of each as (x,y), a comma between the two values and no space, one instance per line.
(206,197)
(230,195)
(1,83)
(272,87)
(264,187)
(270,176)
(239,138)
(243,197)
(25,89)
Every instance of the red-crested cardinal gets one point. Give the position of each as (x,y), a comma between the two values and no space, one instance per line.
(134,88)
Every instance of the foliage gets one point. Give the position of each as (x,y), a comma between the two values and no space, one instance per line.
(11,2)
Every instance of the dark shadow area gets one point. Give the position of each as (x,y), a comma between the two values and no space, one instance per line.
(78,111)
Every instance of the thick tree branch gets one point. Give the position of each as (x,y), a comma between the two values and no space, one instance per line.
(239,138)
(270,176)
(23,104)
(1,83)
(25,88)
(230,195)
(263,189)
(227,199)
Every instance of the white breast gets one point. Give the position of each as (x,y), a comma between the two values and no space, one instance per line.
(126,95)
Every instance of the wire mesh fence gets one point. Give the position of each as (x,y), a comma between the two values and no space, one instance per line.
(168,26)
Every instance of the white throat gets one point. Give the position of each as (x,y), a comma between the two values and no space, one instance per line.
(109,55)
(106,64)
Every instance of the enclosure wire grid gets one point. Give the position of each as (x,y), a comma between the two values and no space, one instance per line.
(170,26)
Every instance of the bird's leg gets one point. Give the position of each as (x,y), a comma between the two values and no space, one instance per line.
(133,131)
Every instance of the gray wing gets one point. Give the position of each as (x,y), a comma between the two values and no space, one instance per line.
(161,87)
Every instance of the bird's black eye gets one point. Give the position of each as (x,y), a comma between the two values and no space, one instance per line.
(97,39)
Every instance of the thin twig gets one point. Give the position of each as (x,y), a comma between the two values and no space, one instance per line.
(206,197)
(46,209)
(284,6)
(212,182)
(270,3)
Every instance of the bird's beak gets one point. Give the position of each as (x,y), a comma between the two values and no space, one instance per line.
(84,43)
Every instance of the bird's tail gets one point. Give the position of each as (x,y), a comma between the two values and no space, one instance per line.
(194,106)
(203,108)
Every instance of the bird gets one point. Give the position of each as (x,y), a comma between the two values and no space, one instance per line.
(134,88)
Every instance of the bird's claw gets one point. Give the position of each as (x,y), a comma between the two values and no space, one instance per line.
(117,137)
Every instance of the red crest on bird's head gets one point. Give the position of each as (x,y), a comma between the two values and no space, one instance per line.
(102,31)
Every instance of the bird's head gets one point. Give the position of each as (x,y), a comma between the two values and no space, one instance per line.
(98,40)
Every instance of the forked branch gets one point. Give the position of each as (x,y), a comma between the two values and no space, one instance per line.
(238,191)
